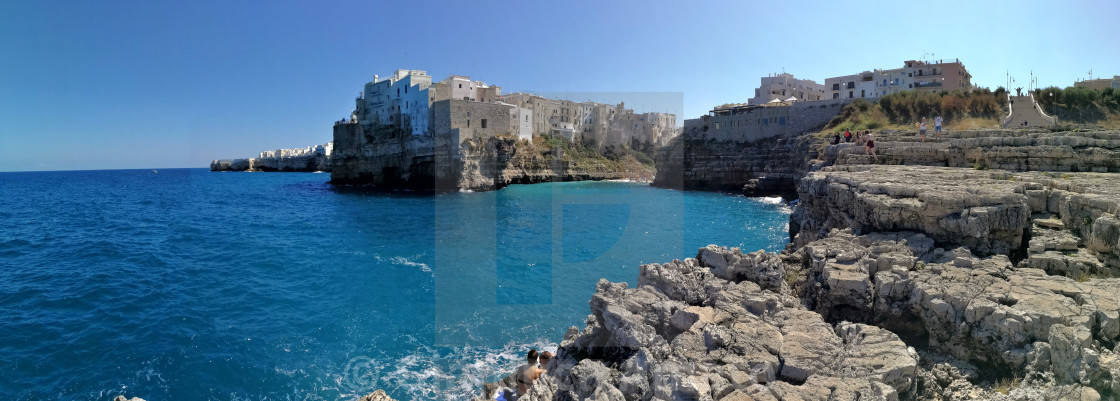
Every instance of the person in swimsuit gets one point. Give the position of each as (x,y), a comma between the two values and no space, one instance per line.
(870,149)
(527,373)
(545,357)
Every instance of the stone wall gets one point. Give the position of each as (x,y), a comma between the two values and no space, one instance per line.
(764,122)
(470,119)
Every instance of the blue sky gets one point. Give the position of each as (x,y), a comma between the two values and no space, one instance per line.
(143,84)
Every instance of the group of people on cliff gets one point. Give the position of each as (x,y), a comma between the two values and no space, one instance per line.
(861,138)
(527,373)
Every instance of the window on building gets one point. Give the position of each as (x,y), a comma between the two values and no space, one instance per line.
(468,123)
(851,84)
(460,86)
(483,123)
(850,95)
(836,86)
(835,95)
(398,91)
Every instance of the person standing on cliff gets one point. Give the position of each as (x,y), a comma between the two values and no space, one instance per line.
(869,149)
(922,129)
(847,136)
(937,127)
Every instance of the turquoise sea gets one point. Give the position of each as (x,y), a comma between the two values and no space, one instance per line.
(190,285)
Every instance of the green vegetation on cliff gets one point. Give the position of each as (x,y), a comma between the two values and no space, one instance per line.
(634,163)
(960,109)
(1081,105)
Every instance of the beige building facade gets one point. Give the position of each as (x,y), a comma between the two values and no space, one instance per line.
(1099,84)
(913,75)
(783,86)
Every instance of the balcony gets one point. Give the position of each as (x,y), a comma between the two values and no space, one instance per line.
(928,85)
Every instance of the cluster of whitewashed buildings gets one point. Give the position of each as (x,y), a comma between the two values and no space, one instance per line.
(917,75)
(318,150)
(410,101)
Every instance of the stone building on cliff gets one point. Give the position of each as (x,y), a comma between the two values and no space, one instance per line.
(409,101)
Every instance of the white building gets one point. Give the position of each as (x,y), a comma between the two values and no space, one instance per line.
(521,120)
(783,86)
(402,99)
(854,86)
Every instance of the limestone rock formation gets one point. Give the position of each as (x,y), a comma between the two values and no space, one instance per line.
(478,164)
(950,205)
(907,277)
(762,168)
(883,316)
(378,395)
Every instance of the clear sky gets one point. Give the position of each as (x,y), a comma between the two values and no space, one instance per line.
(160,84)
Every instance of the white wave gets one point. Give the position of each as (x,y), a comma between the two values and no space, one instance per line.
(402,261)
(436,373)
(771,200)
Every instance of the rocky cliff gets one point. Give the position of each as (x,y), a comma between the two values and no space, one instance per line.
(440,162)
(906,279)
(765,167)
(309,159)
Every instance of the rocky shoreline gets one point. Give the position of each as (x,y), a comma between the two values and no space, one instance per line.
(435,163)
(909,276)
(310,159)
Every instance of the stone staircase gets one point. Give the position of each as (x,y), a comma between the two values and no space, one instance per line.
(1024,109)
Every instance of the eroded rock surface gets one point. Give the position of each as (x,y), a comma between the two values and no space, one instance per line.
(906,279)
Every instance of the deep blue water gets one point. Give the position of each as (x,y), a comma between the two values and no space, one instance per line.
(189,285)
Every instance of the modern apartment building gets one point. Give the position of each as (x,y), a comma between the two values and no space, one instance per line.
(854,86)
(784,86)
(914,75)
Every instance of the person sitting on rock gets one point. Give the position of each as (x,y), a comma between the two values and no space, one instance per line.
(545,357)
(527,373)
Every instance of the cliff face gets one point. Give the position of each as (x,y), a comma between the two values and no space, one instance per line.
(442,163)
(902,282)
(762,168)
